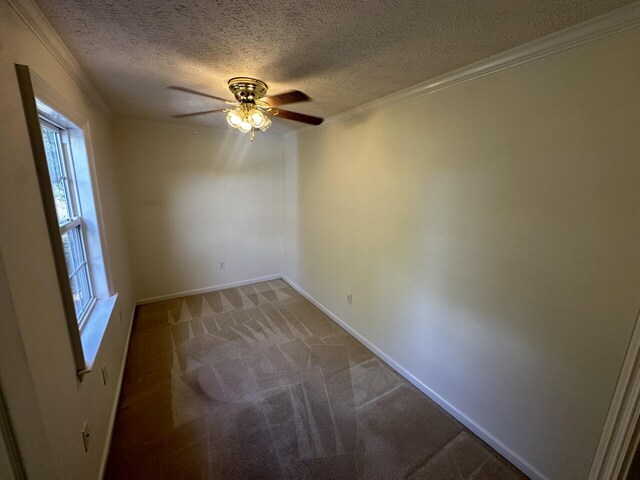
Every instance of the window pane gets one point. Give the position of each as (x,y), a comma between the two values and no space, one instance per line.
(80,290)
(78,269)
(73,252)
(56,173)
(77,296)
(85,290)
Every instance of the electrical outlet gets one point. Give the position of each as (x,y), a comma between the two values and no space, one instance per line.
(221,265)
(349,298)
(104,373)
(85,436)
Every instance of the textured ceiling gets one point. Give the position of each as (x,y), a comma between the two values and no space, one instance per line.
(341,53)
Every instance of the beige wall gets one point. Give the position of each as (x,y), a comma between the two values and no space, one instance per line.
(18,396)
(196,197)
(489,234)
(6,471)
(64,403)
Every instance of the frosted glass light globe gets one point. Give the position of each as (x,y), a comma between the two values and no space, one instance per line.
(234,118)
(244,126)
(266,123)
(257,118)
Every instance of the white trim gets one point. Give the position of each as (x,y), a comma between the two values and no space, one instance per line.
(213,288)
(73,223)
(615,21)
(101,245)
(468,422)
(79,130)
(114,408)
(33,17)
(116,401)
(612,456)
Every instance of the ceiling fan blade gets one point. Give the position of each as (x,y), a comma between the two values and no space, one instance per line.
(197,113)
(298,117)
(196,92)
(292,96)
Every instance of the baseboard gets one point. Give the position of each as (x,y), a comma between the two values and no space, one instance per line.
(213,288)
(114,408)
(468,422)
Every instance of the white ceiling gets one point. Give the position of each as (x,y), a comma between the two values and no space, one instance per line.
(341,53)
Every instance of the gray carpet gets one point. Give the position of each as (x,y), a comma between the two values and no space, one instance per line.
(257,383)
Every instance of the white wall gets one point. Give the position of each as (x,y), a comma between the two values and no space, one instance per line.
(18,395)
(489,234)
(196,197)
(63,403)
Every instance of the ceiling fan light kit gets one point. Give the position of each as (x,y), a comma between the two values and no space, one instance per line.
(250,113)
(245,118)
(252,107)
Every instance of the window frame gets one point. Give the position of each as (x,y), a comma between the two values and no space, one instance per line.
(74,207)
(39,97)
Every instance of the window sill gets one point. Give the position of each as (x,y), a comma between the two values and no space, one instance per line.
(94,329)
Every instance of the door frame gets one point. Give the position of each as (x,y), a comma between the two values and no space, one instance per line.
(620,439)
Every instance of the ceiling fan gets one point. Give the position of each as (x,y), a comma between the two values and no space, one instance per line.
(252,108)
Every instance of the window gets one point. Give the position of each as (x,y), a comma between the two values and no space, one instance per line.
(74,212)
(65,170)
(70,219)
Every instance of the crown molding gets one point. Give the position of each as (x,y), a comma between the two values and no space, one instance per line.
(33,17)
(611,23)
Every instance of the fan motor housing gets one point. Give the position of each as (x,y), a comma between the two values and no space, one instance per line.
(247,90)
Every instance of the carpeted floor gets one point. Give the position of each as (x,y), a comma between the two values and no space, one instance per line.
(257,383)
